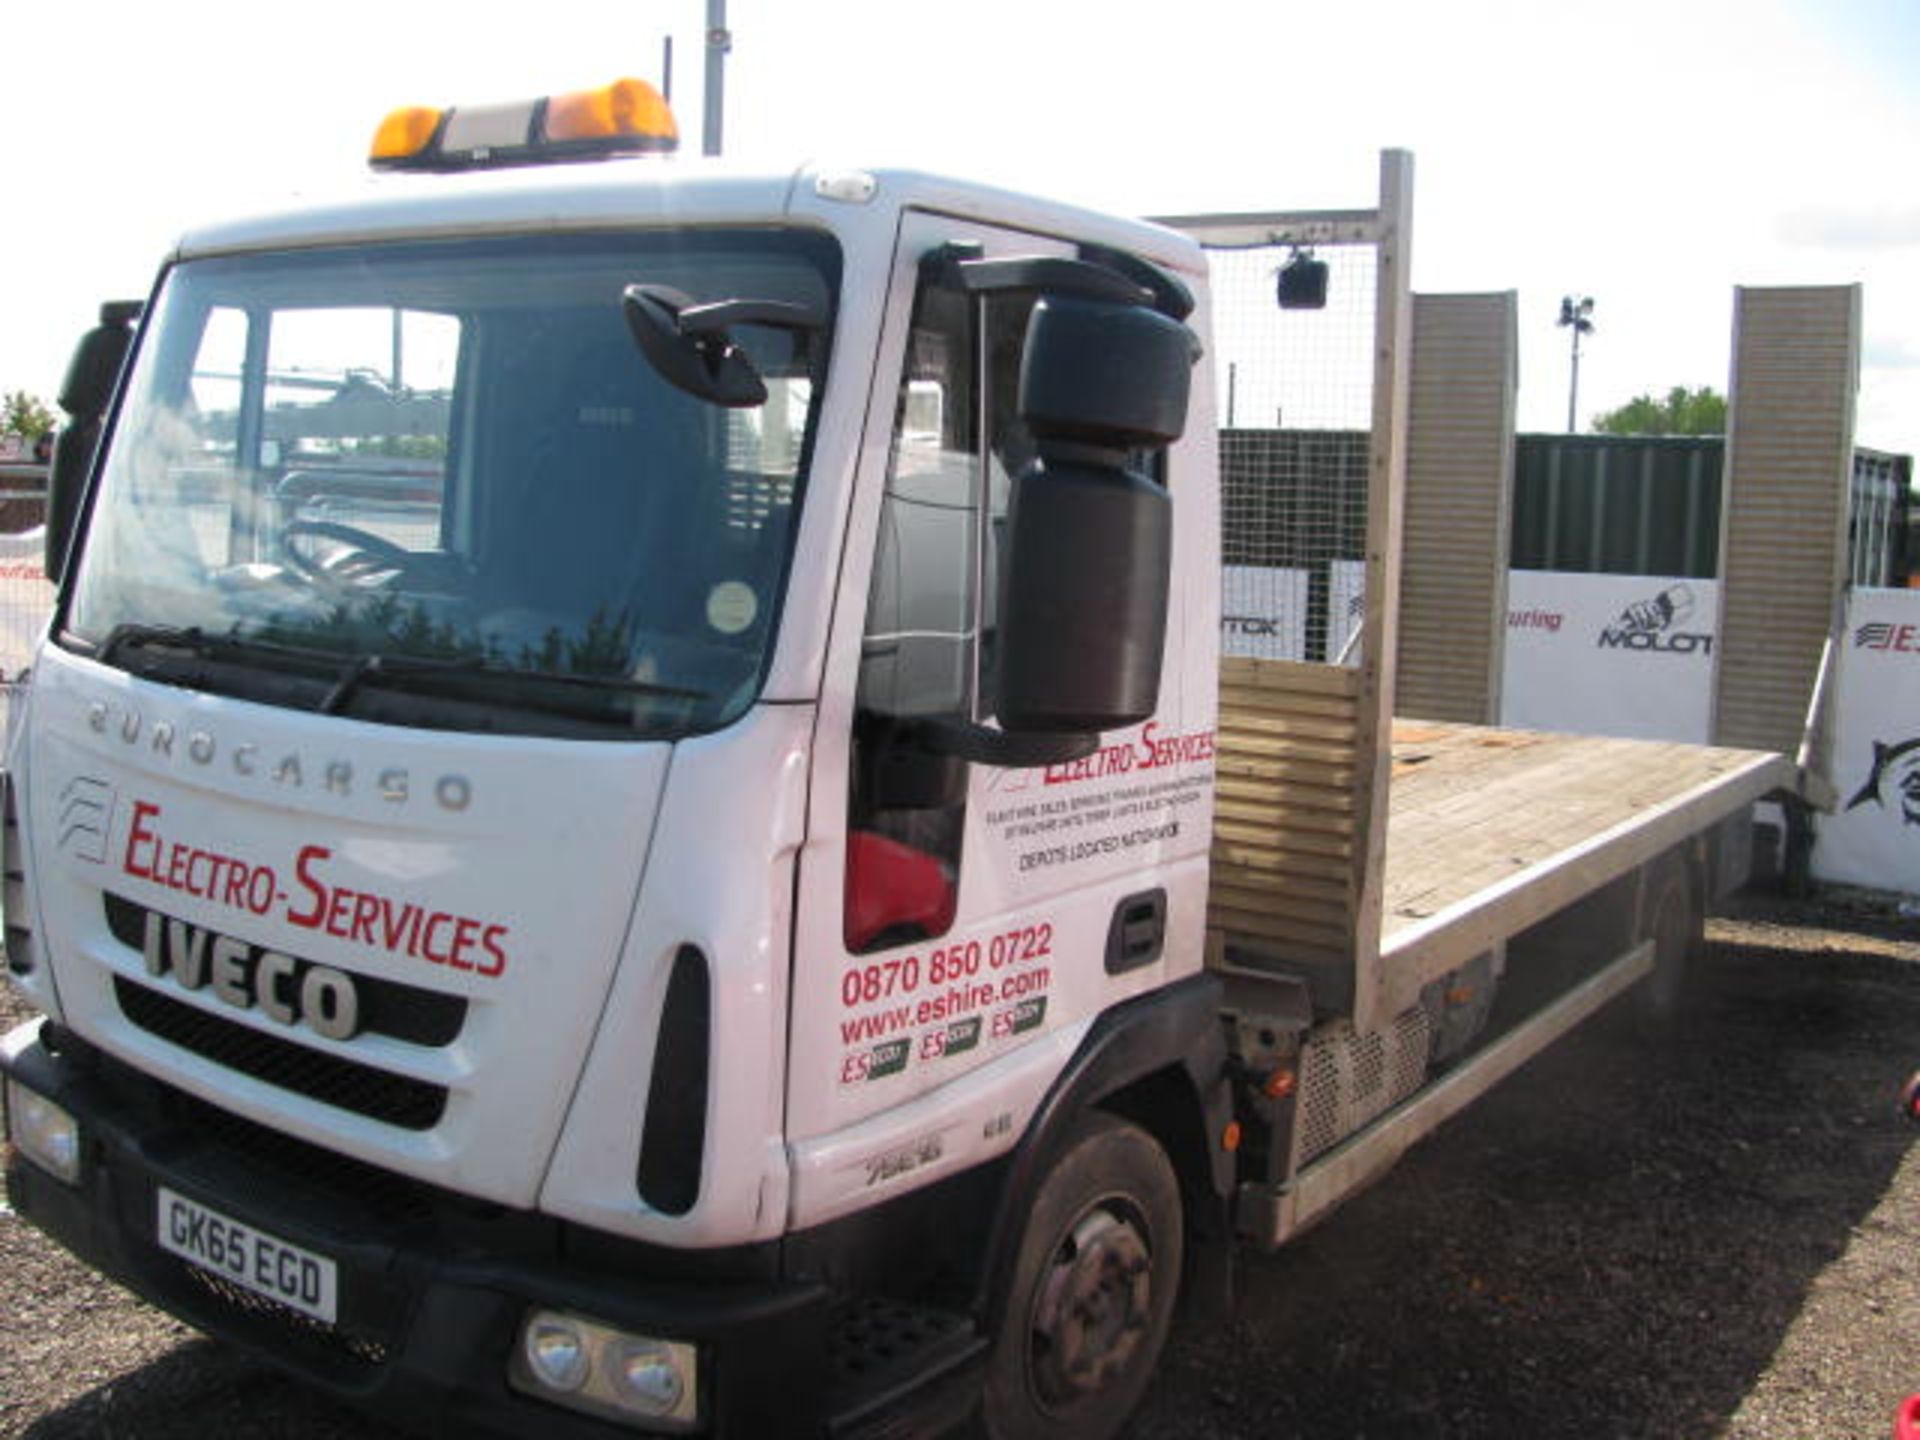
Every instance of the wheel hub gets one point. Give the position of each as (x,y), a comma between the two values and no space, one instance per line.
(1093,1311)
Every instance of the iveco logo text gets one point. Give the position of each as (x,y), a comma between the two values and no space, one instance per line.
(394,784)
(290,991)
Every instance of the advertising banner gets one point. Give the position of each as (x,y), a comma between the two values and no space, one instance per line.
(1346,610)
(1626,655)
(1263,612)
(1873,839)
(26,600)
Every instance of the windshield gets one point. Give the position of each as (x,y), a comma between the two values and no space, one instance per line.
(439,484)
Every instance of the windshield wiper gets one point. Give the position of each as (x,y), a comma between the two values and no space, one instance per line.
(531,689)
(376,665)
(139,635)
(130,634)
(525,687)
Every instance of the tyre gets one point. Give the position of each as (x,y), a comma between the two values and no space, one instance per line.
(1093,1289)
(1675,923)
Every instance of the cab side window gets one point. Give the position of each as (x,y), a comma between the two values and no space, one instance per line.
(927,652)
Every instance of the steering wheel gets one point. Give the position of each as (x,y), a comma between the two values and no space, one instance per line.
(358,557)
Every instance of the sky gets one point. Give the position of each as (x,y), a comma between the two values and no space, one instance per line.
(1650,155)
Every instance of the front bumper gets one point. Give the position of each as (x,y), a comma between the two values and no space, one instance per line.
(432,1287)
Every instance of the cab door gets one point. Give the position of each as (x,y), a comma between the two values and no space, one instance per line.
(955,919)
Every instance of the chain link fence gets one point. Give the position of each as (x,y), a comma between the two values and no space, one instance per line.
(26,599)
(1295,391)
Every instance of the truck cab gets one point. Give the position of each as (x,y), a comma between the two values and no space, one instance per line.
(550,823)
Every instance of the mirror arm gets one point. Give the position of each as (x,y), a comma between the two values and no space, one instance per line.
(714,318)
(1171,296)
(1052,275)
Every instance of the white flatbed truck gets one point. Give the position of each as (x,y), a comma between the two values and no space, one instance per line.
(631,818)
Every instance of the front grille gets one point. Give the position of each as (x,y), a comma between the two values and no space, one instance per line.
(230,1148)
(13,884)
(387,1007)
(346,1348)
(344,1084)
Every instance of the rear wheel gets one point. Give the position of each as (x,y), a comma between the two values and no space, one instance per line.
(1093,1289)
(1675,922)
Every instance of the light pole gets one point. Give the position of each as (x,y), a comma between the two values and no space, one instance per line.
(719,42)
(1577,316)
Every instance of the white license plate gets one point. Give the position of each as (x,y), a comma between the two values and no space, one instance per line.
(248,1257)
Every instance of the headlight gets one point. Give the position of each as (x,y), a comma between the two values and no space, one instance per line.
(46,1134)
(646,1375)
(589,1366)
(556,1353)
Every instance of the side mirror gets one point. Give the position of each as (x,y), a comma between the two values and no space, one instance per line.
(1106,373)
(87,391)
(1302,283)
(1084,616)
(94,369)
(688,345)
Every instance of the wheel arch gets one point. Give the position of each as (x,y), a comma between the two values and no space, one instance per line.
(1158,1061)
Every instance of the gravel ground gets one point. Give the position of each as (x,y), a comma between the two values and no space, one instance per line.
(1708,1237)
(1711,1237)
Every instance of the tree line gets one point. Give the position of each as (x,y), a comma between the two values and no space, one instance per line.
(27,416)
(1681,412)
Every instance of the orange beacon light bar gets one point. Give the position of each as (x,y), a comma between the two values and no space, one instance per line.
(628,117)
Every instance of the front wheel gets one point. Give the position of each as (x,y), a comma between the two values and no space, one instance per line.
(1093,1289)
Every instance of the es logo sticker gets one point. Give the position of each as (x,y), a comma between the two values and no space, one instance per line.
(889,1057)
(1023,1017)
(954,1039)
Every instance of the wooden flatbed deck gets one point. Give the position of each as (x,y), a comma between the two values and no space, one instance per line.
(1491,830)
(1487,831)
